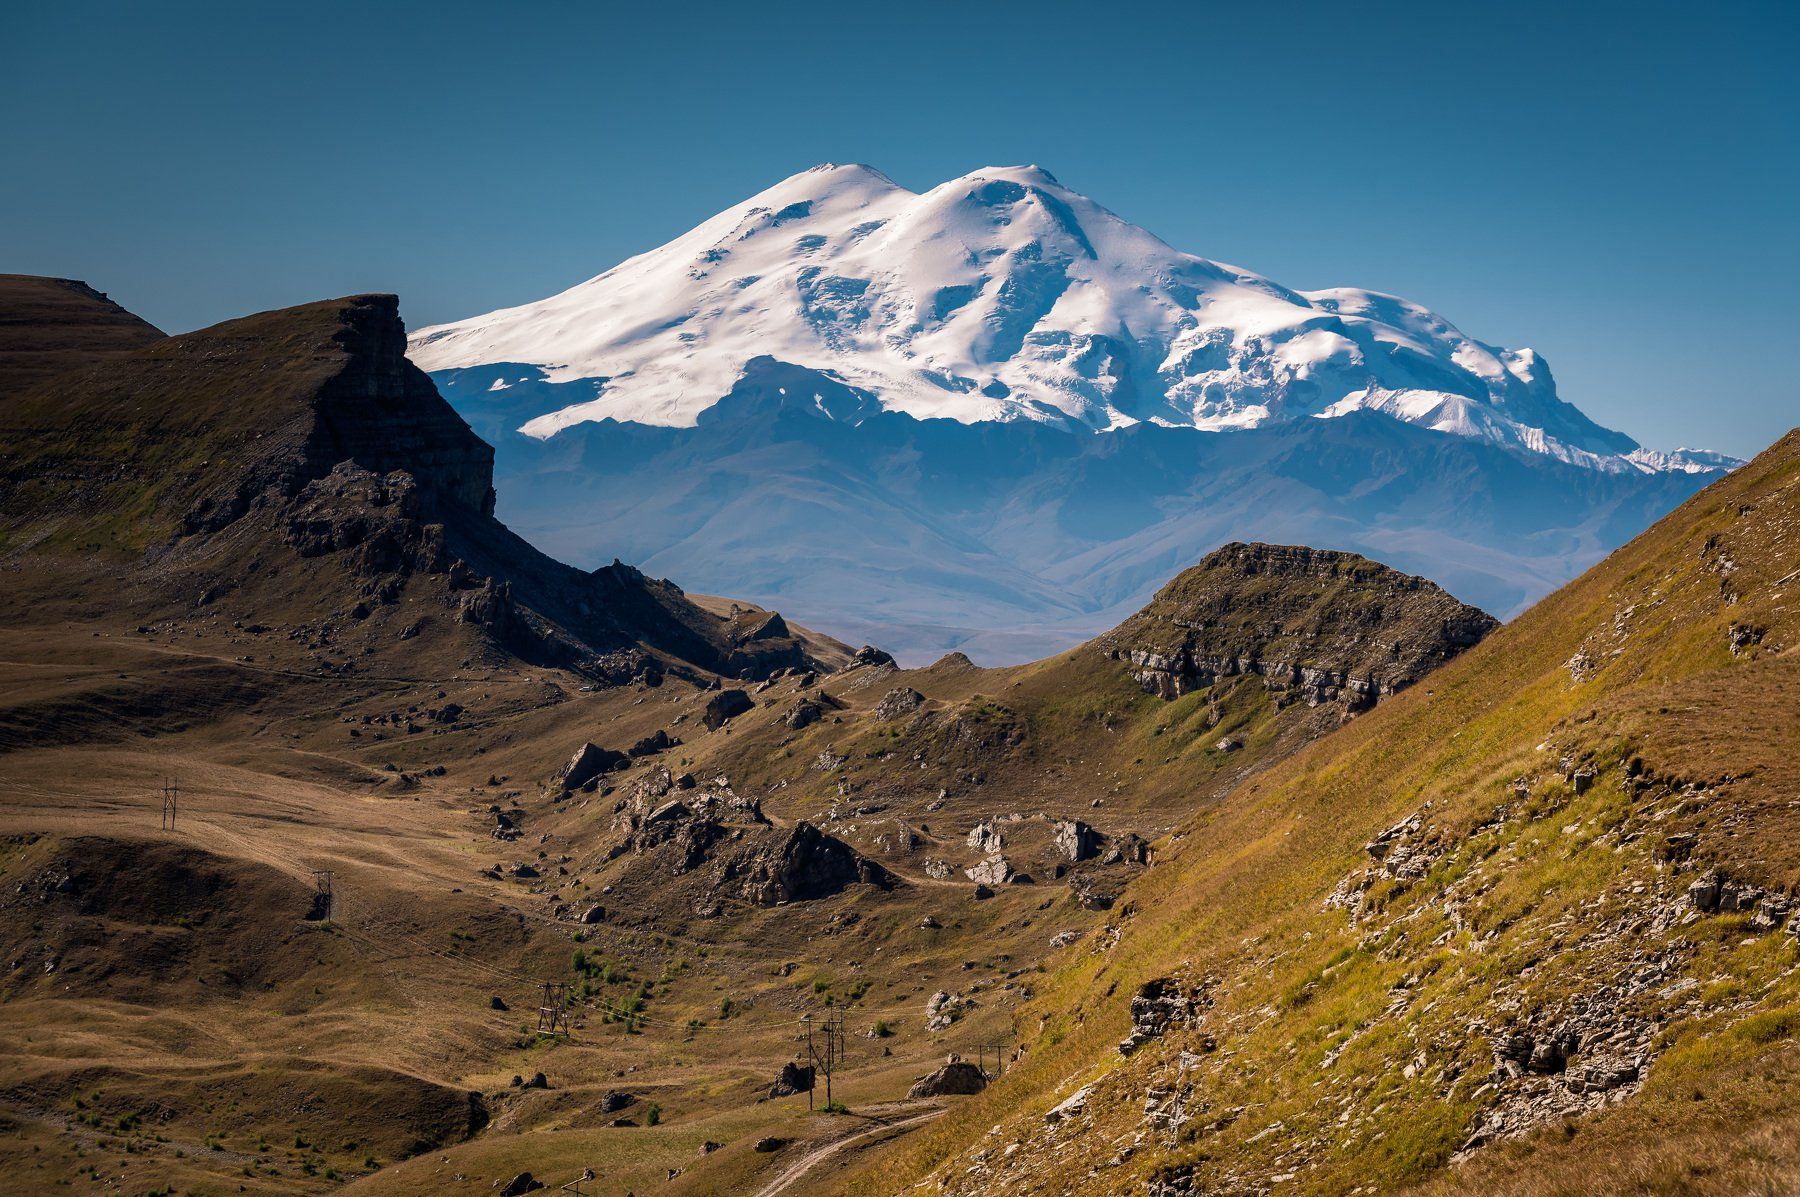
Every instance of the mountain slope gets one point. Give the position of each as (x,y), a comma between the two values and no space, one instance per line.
(1000,295)
(49,325)
(1538,909)
(295,459)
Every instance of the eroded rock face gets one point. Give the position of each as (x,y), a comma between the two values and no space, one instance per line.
(1163,1005)
(1314,625)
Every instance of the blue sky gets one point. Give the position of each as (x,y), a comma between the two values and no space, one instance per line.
(1616,186)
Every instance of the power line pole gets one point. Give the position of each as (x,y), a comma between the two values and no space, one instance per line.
(322,899)
(826,1047)
(553,1009)
(171,791)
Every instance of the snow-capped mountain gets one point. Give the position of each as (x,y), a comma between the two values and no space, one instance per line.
(995,417)
(1000,296)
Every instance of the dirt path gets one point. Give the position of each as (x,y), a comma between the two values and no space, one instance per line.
(819,1155)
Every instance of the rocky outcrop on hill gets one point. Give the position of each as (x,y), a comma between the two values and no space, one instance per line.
(1316,626)
(801,864)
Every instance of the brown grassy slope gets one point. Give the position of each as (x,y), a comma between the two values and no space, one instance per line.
(51,325)
(1630,673)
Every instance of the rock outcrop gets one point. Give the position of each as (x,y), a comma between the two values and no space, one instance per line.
(957,1077)
(1316,626)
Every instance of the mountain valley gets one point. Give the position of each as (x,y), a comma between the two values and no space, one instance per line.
(353,841)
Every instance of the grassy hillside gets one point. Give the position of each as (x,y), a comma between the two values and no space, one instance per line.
(1571,778)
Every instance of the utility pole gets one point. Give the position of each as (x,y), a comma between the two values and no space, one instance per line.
(553,1009)
(322,900)
(170,792)
(826,1048)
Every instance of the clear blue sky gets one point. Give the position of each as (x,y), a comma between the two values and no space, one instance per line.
(1617,186)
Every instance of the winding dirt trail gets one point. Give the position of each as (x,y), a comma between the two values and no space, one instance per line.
(819,1155)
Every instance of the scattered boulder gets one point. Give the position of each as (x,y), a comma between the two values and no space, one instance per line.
(497,1003)
(982,893)
(1076,840)
(1129,848)
(899,703)
(660,741)
(803,714)
(614,1100)
(770,1143)
(594,914)
(956,1077)
(868,654)
(589,762)
(538,1081)
(794,1078)
(942,1009)
(725,706)
(995,870)
(521,1184)
(986,838)
(1072,1106)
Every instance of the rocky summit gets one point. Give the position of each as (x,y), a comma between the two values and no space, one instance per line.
(1315,626)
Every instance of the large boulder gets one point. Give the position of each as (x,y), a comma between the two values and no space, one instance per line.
(956,1077)
(868,654)
(1076,840)
(804,714)
(794,1078)
(725,706)
(995,870)
(589,762)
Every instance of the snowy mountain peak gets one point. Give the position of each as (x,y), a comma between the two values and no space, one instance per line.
(999,295)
